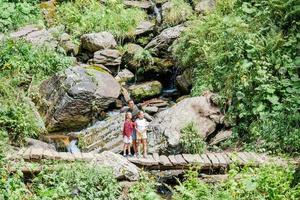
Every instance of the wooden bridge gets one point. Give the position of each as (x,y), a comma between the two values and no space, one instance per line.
(208,160)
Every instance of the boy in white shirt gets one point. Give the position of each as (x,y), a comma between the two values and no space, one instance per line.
(141,130)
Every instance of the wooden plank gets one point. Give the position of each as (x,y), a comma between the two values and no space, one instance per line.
(26,154)
(180,160)
(149,161)
(214,160)
(36,153)
(227,158)
(257,158)
(191,158)
(172,159)
(164,160)
(252,159)
(221,159)
(243,158)
(156,157)
(207,162)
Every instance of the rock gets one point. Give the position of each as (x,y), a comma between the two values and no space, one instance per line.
(205,6)
(110,58)
(124,76)
(39,144)
(162,42)
(122,168)
(98,41)
(145,90)
(138,4)
(104,135)
(143,27)
(67,44)
(185,80)
(72,98)
(36,36)
(221,136)
(150,109)
(175,12)
(165,130)
(127,59)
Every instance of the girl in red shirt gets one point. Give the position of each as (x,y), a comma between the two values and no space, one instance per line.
(128,128)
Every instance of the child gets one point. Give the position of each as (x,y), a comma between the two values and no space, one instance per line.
(141,132)
(128,128)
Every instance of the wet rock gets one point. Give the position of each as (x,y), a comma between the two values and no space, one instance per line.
(205,6)
(110,58)
(221,136)
(185,80)
(144,27)
(124,76)
(138,4)
(104,135)
(145,90)
(162,42)
(122,168)
(165,129)
(98,41)
(72,98)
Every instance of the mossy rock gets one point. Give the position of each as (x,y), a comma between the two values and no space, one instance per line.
(145,90)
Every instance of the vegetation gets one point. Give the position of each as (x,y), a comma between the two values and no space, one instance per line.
(246,52)
(191,140)
(268,182)
(83,16)
(21,66)
(15,14)
(177,12)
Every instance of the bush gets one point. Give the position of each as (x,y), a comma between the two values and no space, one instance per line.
(246,52)
(82,16)
(144,189)
(16,14)
(22,62)
(269,182)
(76,181)
(191,140)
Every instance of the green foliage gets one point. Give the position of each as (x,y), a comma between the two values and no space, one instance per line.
(191,140)
(81,16)
(269,182)
(178,12)
(76,181)
(144,189)
(246,52)
(143,57)
(18,13)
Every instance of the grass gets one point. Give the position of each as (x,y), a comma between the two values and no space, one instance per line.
(85,16)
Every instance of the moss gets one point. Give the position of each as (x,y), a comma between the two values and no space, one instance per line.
(145,90)
(97,68)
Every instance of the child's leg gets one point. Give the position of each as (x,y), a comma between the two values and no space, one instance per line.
(124,149)
(138,147)
(128,146)
(145,147)
(134,146)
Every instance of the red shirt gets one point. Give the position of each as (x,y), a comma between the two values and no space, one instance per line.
(128,128)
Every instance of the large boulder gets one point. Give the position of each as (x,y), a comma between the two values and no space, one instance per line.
(97,41)
(143,28)
(36,36)
(71,99)
(128,58)
(104,135)
(165,129)
(124,76)
(122,168)
(162,42)
(145,90)
(110,58)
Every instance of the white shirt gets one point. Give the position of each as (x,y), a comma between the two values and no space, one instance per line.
(141,124)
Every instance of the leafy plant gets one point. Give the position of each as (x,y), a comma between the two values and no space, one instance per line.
(81,16)
(144,189)
(191,140)
(246,52)
(76,181)
(18,13)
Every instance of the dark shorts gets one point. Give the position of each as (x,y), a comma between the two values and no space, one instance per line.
(133,134)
